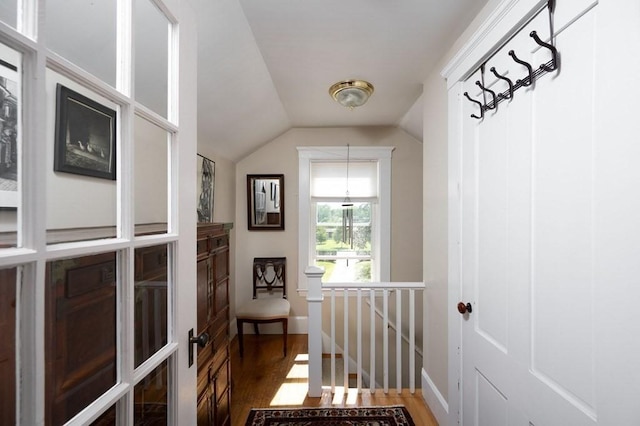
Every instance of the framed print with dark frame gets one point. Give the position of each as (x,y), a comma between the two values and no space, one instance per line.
(206,185)
(10,107)
(85,141)
(265,202)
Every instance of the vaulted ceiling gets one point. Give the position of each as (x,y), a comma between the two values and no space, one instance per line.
(266,65)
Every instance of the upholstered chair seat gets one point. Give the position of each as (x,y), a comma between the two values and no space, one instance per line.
(264,309)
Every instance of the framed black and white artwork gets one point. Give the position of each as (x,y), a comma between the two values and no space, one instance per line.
(10,106)
(85,142)
(206,183)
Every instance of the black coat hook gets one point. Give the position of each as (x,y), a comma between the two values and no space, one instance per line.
(490,105)
(466,94)
(509,82)
(524,82)
(552,48)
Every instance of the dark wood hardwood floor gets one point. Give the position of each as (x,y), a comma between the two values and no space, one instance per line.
(264,378)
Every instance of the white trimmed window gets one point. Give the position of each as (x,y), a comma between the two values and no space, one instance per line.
(350,242)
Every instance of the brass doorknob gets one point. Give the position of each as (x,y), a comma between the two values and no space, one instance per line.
(463,309)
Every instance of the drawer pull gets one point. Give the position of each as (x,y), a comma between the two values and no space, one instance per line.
(107,275)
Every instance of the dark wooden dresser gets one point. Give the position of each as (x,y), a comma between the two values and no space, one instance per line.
(214,379)
(81,340)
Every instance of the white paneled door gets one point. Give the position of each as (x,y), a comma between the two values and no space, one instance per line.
(535,241)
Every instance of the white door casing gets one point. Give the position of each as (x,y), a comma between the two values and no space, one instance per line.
(533,229)
(185,388)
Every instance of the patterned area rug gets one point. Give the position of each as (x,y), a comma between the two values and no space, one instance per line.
(363,416)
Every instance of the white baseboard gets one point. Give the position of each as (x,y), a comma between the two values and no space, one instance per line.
(434,399)
(297,325)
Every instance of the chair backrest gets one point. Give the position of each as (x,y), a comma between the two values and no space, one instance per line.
(269,274)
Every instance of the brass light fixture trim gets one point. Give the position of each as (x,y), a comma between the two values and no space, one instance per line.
(351,93)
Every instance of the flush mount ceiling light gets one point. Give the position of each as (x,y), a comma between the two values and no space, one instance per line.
(351,93)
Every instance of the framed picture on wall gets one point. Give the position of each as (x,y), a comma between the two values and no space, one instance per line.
(206,180)
(9,129)
(85,140)
(265,202)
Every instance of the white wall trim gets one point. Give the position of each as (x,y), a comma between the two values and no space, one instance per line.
(434,399)
(297,325)
(506,18)
(454,233)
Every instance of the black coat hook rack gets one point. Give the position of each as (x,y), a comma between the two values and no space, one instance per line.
(532,74)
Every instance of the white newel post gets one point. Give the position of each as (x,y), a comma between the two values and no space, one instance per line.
(314,300)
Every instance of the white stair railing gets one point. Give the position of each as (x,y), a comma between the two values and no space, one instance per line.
(315,298)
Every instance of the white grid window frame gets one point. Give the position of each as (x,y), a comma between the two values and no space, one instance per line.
(306,240)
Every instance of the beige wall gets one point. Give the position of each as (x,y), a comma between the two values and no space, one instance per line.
(435,224)
(281,156)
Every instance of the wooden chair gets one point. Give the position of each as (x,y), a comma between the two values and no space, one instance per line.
(269,275)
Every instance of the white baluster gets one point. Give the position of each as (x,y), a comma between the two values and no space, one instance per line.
(372,311)
(345,352)
(412,341)
(398,340)
(385,340)
(157,328)
(359,342)
(333,341)
(145,324)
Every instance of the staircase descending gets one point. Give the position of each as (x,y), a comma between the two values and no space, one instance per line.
(361,348)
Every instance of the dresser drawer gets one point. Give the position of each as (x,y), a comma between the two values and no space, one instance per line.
(88,279)
(218,242)
(202,246)
(222,410)
(221,380)
(151,263)
(221,296)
